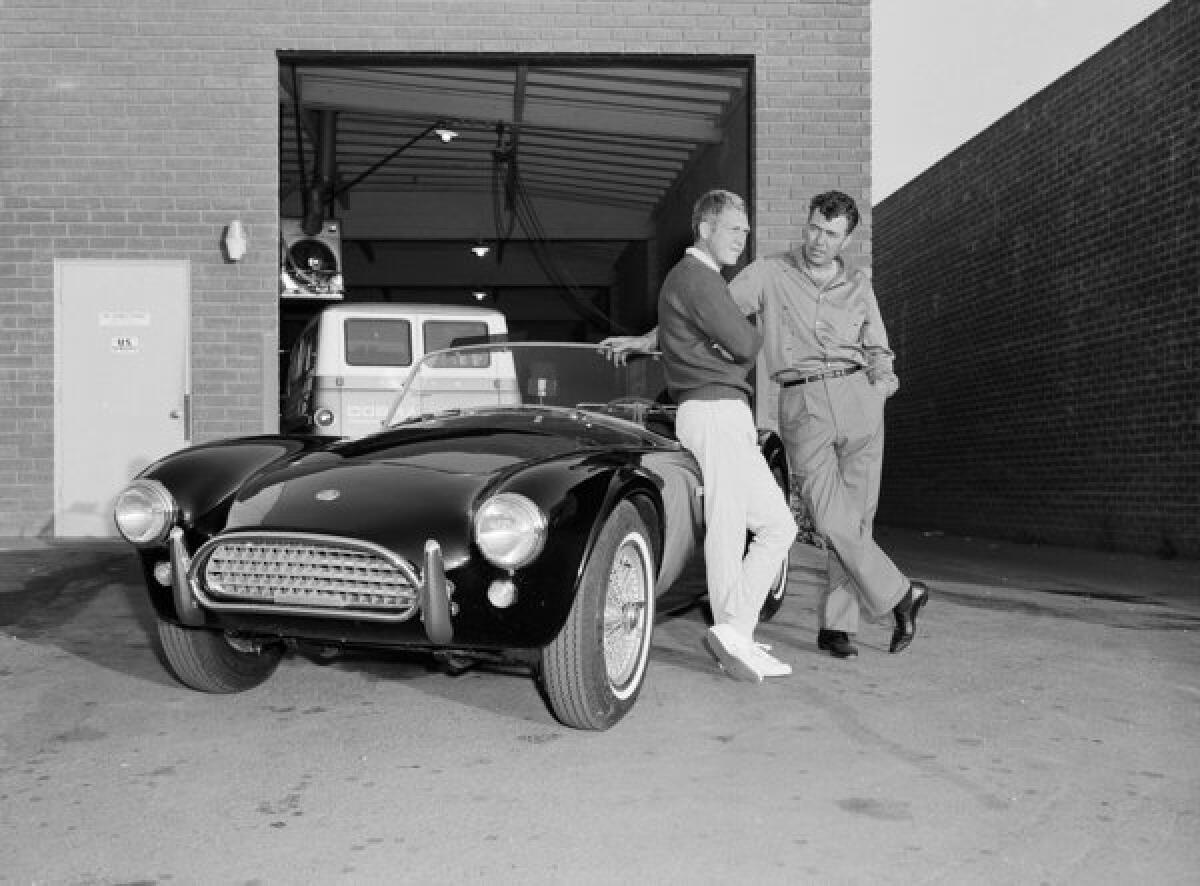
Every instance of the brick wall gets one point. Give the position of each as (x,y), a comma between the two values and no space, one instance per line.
(1040,287)
(139,129)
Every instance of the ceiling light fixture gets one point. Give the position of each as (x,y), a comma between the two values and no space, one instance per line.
(480,249)
(446,135)
(479,294)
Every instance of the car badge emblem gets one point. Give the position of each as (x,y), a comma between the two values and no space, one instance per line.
(328,495)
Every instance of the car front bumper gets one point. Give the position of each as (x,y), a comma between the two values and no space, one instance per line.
(331,588)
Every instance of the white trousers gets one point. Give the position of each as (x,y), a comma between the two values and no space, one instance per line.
(740,496)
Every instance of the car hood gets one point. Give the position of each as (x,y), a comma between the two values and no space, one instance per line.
(421,478)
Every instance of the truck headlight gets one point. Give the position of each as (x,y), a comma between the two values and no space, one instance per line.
(510,530)
(145,512)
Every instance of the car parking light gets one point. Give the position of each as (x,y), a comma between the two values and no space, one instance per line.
(502,593)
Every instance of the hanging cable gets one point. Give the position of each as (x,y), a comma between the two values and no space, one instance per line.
(511,204)
(296,111)
(503,219)
(570,291)
(388,159)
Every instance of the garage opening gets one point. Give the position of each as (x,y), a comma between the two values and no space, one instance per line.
(556,189)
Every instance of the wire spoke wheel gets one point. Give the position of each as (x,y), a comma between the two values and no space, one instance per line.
(774,598)
(625,609)
(594,669)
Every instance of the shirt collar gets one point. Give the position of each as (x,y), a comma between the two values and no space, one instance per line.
(704,257)
(796,259)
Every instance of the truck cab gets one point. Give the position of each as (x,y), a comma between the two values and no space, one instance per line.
(346,367)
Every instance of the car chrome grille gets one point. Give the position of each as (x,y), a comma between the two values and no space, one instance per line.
(292,571)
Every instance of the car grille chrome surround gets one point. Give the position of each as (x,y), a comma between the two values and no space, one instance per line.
(307,574)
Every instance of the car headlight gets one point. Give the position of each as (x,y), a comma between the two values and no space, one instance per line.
(145,512)
(510,530)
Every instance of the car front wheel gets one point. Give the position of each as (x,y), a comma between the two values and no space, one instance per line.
(211,662)
(593,670)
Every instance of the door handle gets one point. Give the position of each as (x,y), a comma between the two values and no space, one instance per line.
(186,415)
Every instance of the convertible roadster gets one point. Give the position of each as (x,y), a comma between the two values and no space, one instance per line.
(522,503)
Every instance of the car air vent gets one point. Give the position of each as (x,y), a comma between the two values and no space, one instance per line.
(296,570)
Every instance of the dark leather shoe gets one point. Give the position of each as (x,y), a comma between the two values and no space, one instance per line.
(906,612)
(837,644)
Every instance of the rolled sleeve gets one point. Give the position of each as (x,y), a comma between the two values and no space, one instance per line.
(875,346)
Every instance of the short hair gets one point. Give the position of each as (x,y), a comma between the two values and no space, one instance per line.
(711,204)
(832,204)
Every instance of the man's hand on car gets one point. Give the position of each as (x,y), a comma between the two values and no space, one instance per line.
(618,348)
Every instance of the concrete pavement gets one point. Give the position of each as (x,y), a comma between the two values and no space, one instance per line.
(1044,728)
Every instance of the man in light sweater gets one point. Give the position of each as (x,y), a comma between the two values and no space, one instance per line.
(708,347)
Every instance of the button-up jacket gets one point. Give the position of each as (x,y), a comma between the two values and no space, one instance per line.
(809,328)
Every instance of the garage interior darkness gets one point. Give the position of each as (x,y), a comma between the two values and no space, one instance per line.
(576,174)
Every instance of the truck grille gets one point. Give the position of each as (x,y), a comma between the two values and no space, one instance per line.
(305,571)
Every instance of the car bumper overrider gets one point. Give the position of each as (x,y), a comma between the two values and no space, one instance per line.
(312,576)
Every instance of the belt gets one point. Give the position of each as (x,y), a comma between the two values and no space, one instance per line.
(833,373)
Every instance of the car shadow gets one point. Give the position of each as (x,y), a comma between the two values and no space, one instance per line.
(86,601)
(91,604)
(511,689)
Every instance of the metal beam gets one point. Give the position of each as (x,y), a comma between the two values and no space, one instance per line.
(323,90)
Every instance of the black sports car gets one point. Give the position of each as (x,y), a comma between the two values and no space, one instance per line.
(523,502)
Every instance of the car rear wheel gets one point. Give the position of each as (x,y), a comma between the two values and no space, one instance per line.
(775,596)
(593,670)
(210,662)
(778,590)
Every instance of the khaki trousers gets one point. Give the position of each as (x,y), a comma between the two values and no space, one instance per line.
(740,496)
(833,432)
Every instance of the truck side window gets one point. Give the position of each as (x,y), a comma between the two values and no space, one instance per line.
(378,342)
(441,334)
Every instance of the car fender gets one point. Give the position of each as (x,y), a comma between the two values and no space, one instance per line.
(577,496)
(204,478)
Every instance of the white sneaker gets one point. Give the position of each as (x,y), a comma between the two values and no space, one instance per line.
(767,664)
(732,650)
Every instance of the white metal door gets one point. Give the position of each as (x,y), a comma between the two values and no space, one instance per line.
(122,395)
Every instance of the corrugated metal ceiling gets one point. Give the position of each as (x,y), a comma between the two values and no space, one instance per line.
(595,134)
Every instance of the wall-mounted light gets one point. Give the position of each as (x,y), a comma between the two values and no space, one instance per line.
(446,135)
(235,240)
(480,249)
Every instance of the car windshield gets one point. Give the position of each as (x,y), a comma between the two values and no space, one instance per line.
(523,375)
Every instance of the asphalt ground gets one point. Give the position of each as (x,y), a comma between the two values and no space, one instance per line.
(1043,728)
